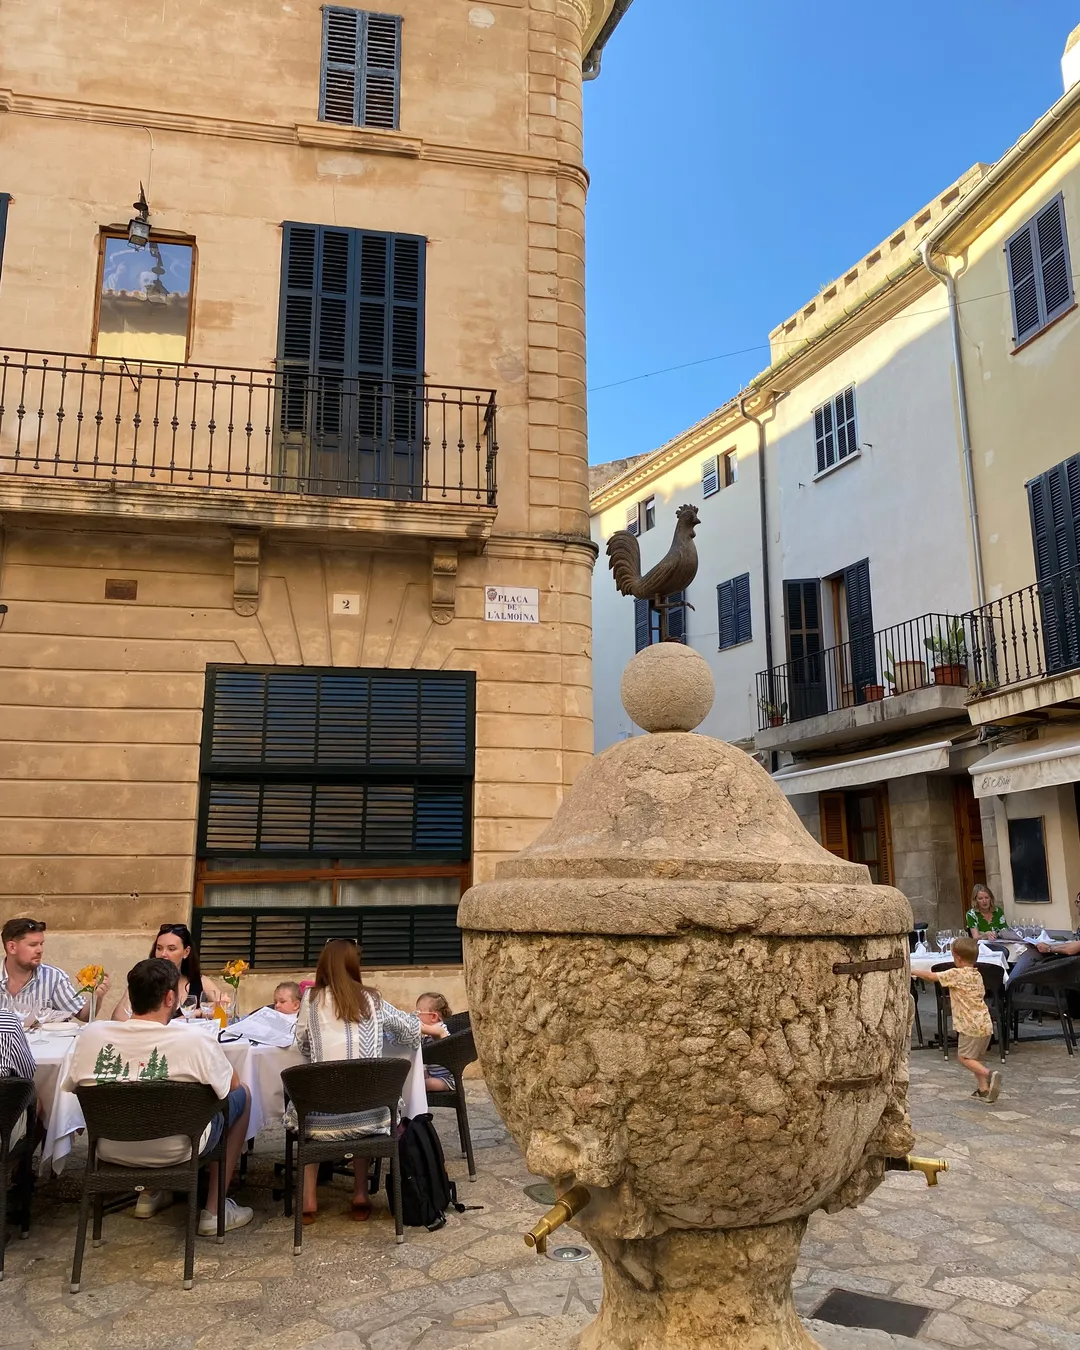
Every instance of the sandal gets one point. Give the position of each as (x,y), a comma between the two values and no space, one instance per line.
(361,1210)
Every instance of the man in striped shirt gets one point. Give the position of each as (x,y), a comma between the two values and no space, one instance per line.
(16,1061)
(27,984)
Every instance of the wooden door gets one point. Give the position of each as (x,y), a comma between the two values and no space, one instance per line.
(970,858)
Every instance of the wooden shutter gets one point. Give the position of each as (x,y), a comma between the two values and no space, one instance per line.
(633,519)
(676,617)
(832,808)
(742,608)
(710,477)
(886,871)
(5,197)
(725,599)
(361,68)
(1054,274)
(1054,502)
(823,437)
(1023,284)
(860,622)
(642,625)
(806,681)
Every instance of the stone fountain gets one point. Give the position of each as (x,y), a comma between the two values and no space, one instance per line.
(694,1022)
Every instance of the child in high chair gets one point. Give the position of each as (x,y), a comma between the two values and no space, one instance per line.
(971,1017)
(433,1010)
(287,998)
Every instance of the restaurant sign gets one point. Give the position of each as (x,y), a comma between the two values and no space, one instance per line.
(512,604)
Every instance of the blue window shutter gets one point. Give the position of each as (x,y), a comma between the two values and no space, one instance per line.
(676,617)
(1023,284)
(5,197)
(380,70)
(725,596)
(642,625)
(1054,272)
(361,68)
(741,587)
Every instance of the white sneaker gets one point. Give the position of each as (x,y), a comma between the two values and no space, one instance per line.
(236,1216)
(149,1202)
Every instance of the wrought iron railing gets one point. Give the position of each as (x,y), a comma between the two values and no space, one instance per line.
(117,420)
(932,649)
(1033,632)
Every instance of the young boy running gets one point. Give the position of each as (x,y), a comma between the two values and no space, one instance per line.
(971,1016)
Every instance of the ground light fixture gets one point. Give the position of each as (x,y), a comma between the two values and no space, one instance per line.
(139,226)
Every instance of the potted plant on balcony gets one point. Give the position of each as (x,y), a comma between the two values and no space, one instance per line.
(949,654)
(873,693)
(905,675)
(773,712)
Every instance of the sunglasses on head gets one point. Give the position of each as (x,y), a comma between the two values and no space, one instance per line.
(177,928)
(20,927)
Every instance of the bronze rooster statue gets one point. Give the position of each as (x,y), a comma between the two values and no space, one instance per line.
(675,571)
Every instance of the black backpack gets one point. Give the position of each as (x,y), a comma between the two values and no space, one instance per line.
(426,1191)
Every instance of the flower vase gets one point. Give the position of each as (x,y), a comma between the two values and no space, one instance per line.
(91,1001)
(234,1005)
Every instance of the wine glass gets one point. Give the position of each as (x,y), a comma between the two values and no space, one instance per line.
(189,1007)
(206,1005)
(942,940)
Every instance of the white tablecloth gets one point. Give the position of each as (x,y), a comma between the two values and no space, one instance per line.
(921,964)
(257,1066)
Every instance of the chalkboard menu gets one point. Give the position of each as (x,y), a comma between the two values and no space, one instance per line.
(1027,854)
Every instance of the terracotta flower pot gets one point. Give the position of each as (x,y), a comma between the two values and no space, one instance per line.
(776,720)
(874,693)
(950,675)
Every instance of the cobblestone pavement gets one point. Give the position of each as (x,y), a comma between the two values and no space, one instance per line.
(994,1250)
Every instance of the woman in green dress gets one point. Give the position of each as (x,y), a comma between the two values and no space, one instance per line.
(985,917)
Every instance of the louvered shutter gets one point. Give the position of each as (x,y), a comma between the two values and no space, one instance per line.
(642,625)
(819,440)
(1054,272)
(802,615)
(884,832)
(742,608)
(5,198)
(1054,502)
(725,593)
(710,477)
(361,68)
(832,809)
(1023,284)
(633,519)
(860,622)
(676,617)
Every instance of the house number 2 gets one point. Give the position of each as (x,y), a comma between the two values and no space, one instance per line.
(346,604)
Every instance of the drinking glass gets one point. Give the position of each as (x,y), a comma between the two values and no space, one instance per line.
(206,1005)
(942,940)
(189,1007)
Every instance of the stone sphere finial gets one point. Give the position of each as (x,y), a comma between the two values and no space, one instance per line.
(668,687)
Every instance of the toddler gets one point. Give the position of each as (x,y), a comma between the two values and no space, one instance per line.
(433,1010)
(287,998)
(971,1017)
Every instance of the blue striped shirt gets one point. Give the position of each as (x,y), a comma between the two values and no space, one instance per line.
(16,1061)
(48,992)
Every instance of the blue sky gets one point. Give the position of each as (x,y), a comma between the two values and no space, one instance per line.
(744,155)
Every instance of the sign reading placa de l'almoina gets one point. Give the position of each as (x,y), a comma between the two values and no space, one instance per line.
(512,604)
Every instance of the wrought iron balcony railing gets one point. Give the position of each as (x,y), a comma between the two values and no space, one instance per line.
(1033,632)
(933,649)
(286,431)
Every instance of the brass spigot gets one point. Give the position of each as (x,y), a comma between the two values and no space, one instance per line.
(929,1167)
(573,1202)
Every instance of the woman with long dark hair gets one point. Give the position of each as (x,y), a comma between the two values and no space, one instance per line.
(174,943)
(342,1018)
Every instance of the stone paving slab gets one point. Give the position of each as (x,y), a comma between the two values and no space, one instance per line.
(994,1250)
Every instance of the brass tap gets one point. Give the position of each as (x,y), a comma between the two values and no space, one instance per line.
(929,1167)
(573,1202)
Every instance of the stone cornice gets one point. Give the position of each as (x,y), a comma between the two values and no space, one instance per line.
(321,135)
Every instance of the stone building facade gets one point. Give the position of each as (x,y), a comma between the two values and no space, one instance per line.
(329,421)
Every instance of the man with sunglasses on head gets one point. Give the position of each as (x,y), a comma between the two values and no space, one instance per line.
(28,985)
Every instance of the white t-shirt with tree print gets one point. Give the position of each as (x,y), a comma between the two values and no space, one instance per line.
(129,1052)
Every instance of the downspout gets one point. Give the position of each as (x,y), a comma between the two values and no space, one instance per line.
(944,275)
(590,66)
(764,512)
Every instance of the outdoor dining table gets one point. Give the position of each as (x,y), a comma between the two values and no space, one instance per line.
(921,964)
(258,1068)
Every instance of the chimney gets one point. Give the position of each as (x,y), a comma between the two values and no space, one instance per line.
(1070,62)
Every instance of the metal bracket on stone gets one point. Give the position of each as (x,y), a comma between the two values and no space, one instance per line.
(444,565)
(247,546)
(865,967)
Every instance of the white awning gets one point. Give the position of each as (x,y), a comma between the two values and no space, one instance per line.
(1029,765)
(868,769)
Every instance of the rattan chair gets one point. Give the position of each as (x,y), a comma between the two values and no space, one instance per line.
(341,1087)
(135,1113)
(454,1053)
(1045,988)
(461,1021)
(18,1100)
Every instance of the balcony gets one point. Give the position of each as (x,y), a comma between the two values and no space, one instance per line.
(285,448)
(1026,649)
(911,675)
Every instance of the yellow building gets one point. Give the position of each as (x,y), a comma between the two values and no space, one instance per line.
(295,560)
(1005,254)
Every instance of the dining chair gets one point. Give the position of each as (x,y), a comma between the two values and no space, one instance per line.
(333,1088)
(454,1053)
(18,1102)
(1045,988)
(135,1113)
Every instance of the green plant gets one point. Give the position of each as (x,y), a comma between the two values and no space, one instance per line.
(889,673)
(949,649)
(772,709)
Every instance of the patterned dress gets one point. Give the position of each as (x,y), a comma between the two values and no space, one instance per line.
(322,1036)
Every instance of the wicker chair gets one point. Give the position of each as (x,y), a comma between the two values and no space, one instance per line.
(453,1053)
(138,1112)
(18,1100)
(1045,988)
(461,1021)
(994,983)
(339,1087)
